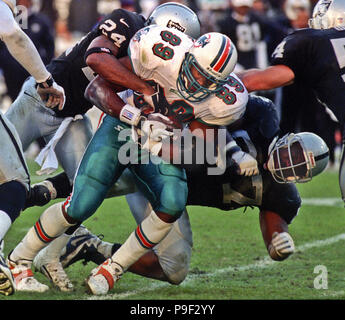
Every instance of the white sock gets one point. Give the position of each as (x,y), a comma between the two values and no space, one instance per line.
(5,224)
(50,225)
(150,232)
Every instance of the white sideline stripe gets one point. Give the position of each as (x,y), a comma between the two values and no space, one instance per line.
(262,263)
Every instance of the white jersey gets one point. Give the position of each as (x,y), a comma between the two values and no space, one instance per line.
(19,44)
(11,4)
(156,54)
(12,161)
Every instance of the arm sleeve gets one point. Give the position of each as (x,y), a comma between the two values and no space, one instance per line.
(290,52)
(20,46)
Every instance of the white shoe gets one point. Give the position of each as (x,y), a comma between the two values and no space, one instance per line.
(51,267)
(7,283)
(103,277)
(24,278)
(56,274)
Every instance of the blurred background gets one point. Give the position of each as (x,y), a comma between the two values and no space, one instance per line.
(255,26)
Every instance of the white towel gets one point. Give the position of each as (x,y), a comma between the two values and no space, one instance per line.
(47,158)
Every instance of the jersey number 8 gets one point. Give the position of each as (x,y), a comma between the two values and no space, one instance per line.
(165,52)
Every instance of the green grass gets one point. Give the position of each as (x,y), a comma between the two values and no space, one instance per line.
(224,242)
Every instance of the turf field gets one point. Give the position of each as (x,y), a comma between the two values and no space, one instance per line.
(229,258)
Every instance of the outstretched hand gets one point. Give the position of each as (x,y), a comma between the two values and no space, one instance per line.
(51,94)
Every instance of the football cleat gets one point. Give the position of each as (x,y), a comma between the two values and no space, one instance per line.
(24,277)
(82,246)
(102,278)
(7,283)
(54,271)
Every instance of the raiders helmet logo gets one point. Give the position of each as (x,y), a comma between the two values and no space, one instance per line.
(176,25)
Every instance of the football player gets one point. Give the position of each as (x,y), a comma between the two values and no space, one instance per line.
(273,191)
(72,73)
(242,27)
(312,58)
(201,86)
(14,175)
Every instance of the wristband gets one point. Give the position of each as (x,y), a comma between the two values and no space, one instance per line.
(130,115)
(46,84)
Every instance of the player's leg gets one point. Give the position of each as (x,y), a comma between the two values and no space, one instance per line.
(168,261)
(14,188)
(72,145)
(280,205)
(97,172)
(28,114)
(69,151)
(12,201)
(342,168)
(165,186)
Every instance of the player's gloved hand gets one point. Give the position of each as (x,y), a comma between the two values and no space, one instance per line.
(153,130)
(281,246)
(248,165)
(51,93)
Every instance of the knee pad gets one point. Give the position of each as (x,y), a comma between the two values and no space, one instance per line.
(12,198)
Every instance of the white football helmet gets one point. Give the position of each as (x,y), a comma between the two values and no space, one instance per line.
(328,14)
(178,16)
(214,57)
(298,157)
(291,7)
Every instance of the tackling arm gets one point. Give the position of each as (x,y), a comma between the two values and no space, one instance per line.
(116,71)
(23,50)
(103,95)
(266,79)
(226,155)
(20,46)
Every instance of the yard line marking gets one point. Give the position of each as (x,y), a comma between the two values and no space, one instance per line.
(333,294)
(262,263)
(327,202)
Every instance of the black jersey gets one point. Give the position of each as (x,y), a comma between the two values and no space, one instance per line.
(231,191)
(317,58)
(70,70)
(245,35)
